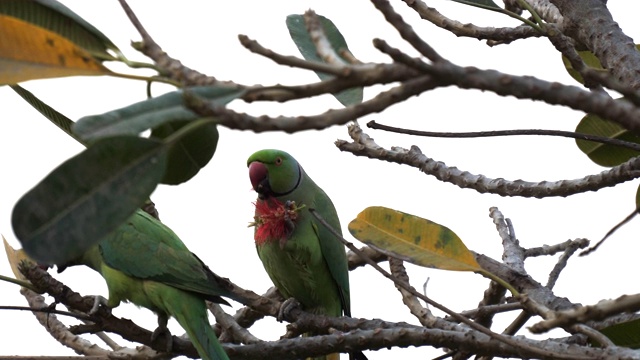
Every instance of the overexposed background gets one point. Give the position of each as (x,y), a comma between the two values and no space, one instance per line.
(211,212)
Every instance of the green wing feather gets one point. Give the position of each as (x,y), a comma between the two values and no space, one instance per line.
(332,249)
(144,248)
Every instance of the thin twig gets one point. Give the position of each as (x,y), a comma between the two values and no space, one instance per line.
(503,35)
(48,310)
(490,309)
(478,134)
(593,334)
(255,47)
(562,262)
(406,31)
(547,250)
(610,232)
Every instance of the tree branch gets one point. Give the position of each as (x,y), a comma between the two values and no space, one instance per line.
(497,35)
(615,50)
(363,145)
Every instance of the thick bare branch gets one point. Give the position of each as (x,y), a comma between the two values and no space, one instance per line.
(615,50)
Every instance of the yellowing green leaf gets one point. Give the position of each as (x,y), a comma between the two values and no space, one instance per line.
(55,17)
(413,239)
(29,52)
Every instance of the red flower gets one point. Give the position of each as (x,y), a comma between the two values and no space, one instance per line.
(274,221)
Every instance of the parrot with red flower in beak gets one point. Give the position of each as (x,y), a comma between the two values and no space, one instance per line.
(303,258)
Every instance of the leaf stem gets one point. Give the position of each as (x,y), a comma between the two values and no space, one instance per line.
(145,78)
(507,12)
(500,281)
(24,284)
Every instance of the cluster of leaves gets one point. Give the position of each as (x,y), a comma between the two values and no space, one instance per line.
(91,194)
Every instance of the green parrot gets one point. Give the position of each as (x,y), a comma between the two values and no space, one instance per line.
(303,259)
(144,262)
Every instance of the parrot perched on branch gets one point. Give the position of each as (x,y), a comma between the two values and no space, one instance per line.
(144,262)
(303,259)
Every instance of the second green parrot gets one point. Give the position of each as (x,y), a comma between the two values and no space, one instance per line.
(144,262)
(303,259)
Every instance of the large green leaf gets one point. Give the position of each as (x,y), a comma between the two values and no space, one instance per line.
(151,113)
(605,154)
(55,17)
(87,197)
(189,154)
(413,239)
(302,39)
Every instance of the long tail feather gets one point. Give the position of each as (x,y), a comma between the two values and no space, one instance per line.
(191,314)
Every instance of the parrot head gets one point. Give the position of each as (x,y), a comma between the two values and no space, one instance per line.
(273,173)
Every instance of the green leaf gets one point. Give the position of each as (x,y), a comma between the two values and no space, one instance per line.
(57,18)
(87,197)
(625,334)
(189,154)
(605,154)
(61,121)
(302,39)
(413,239)
(151,113)
(589,59)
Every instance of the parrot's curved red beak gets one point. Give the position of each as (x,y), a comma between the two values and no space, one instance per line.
(258,175)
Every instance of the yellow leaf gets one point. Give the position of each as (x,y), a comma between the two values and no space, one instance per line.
(29,52)
(15,258)
(413,239)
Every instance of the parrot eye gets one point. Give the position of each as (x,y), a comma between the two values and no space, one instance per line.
(278,161)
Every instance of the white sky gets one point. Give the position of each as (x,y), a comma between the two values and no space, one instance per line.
(211,212)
